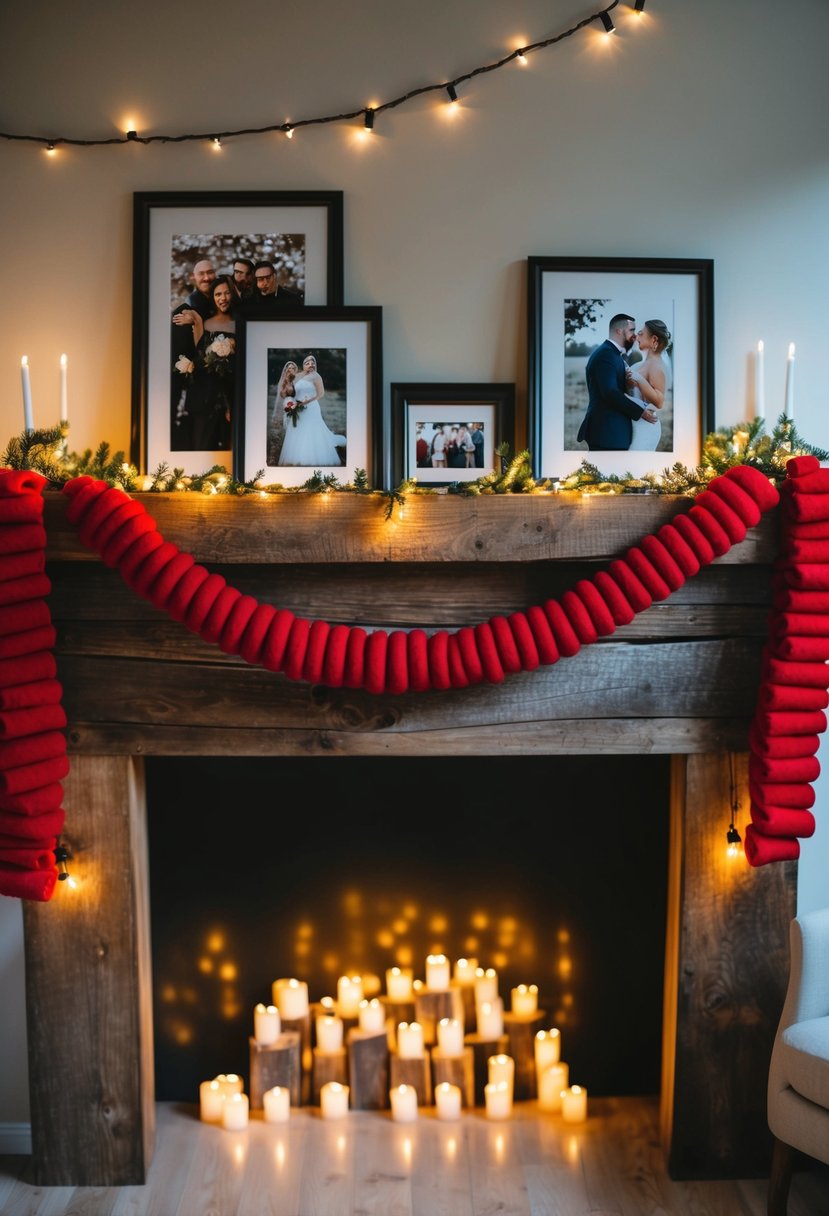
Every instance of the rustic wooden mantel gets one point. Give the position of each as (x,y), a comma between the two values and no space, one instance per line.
(680,679)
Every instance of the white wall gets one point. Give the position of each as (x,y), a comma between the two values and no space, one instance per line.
(697,132)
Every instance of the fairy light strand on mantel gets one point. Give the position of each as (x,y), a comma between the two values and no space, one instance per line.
(368,113)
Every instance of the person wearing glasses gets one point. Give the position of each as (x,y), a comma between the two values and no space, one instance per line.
(268,290)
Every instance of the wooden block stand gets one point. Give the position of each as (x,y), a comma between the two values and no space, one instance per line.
(275,1064)
(368,1069)
(431,1006)
(521,1030)
(457,1070)
(467,995)
(397,1012)
(302,1026)
(482,1049)
(416,1072)
(328,1066)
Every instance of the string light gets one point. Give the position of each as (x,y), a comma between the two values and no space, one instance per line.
(520,55)
(217,143)
(62,856)
(639,7)
(50,149)
(734,841)
(453,93)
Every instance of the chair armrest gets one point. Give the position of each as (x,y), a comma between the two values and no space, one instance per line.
(807,995)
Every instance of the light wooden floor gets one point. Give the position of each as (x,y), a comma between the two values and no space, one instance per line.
(366,1165)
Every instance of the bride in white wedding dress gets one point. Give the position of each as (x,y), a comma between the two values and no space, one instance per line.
(650,382)
(308,441)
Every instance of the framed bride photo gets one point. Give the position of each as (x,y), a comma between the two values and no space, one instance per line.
(308,394)
(620,363)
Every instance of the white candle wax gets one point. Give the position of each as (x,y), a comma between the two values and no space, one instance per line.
(524,999)
(498,1101)
(465,969)
(229,1083)
(450,1036)
(551,1082)
(399,984)
(490,1019)
(333,1100)
(486,984)
(410,1040)
(372,1015)
(437,972)
(277,1104)
(403,1103)
(64,399)
(349,995)
(266,1024)
(290,998)
(547,1048)
(235,1112)
(501,1070)
(448,1101)
(788,408)
(329,1033)
(574,1104)
(211,1101)
(28,416)
(760,382)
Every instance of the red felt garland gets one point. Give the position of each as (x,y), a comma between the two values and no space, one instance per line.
(789,711)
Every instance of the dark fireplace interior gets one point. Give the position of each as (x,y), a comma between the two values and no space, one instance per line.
(552,870)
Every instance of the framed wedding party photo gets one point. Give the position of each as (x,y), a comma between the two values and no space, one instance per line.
(445,433)
(634,403)
(196,264)
(308,394)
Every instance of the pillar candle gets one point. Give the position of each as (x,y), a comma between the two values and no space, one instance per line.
(266,1024)
(437,972)
(64,398)
(465,969)
(547,1048)
(277,1104)
(410,1040)
(399,983)
(788,408)
(448,1101)
(403,1103)
(501,1070)
(551,1082)
(333,1100)
(211,1100)
(450,1036)
(760,383)
(524,998)
(229,1083)
(574,1104)
(490,1019)
(290,998)
(235,1112)
(498,1101)
(349,995)
(372,1015)
(486,984)
(329,1033)
(28,416)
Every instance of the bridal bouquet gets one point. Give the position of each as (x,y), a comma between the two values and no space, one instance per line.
(184,365)
(293,409)
(218,355)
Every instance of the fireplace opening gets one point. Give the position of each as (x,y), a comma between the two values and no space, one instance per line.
(551,870)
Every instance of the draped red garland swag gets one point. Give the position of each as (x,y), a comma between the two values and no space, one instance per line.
(791,700)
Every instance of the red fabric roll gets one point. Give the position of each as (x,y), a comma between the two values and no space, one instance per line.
(695,539)
(817,529)
(18,565)
(579,617)
(761,849)
(103,507)
(27,884)
(18,538)
(220,610)
(457,672)
(564,634)
(315,651)
(29,587)
(335,650)
(812,483)
(801,650)
(754,483)
(418,648)
(812,722)
(31,748)
(807,507)
(646,572)
(468,644)
(27,667)
(81,492)
(770,770)
(790,697)
(255,632)
(505,642)
(781,745)
(616,600)
(782,820)
(728,519)
(183,594)
(803,675)
(29,696)
(542,635)
(801,795)
(118,515)
(33,776)
(15,618)
(658,555)
(132,534)
(233,631)
(142,576)
(790,599)
(276,639)
(524,641)
(203,600)
(600,615)
(139,550)
(711,528)
(801,466)
(25,510)
(632,587)
(41,800)
(681,552)
(354,658)
(293,660)
(743,504)
(804,624)
(397,663)
(31,827)
(29,641)
(488,652)
(34,856)
(438,650)
(803,550)
(20,481)
(15,723)
(812,577)
(374,662)
(169,578)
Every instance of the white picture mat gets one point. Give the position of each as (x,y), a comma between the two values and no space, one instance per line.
(450,412)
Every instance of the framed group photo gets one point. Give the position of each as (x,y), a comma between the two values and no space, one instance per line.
(199,260)
(620,363)
(308,394)
(444,433)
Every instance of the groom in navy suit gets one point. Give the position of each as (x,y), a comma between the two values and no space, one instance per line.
(606,426)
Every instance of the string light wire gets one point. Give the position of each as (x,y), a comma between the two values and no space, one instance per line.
(52,142)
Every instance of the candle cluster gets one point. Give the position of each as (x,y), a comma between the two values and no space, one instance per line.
(760,383)
(446,1043)
(26,380)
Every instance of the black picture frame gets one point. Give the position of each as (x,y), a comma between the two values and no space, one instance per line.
(560,293)
(424,405)
(301,230)
(347,344)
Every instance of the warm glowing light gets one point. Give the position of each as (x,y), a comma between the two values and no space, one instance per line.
(479,921)
(522,59)
(50,149)
(168,993)
(289,131)
(215,942)
(228,971)
(565,966)
(279,1155)
(400,926)
(439,923)
(451,1148)
(216,143)
(71,882)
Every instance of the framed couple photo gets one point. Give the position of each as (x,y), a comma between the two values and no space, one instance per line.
(443,433)
(578,385)
(200,260)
